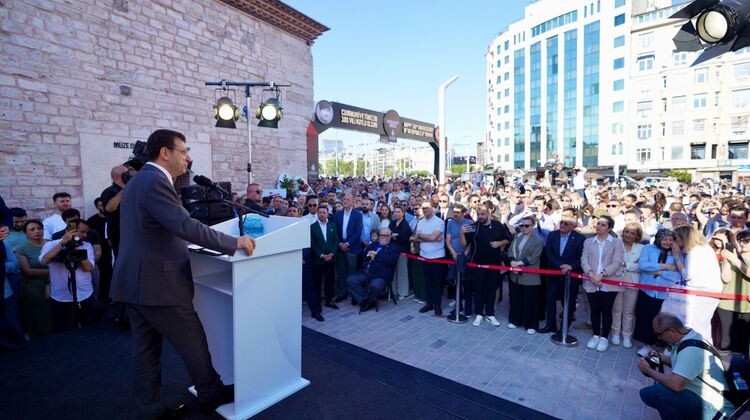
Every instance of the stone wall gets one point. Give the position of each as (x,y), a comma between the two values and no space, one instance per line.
(78,76)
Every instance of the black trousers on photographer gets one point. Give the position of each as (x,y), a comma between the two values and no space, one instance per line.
(64,316)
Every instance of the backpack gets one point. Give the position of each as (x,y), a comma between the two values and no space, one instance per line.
(736,371)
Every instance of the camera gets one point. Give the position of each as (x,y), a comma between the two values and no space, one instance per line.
(654,362)
(69,254)
(136,161)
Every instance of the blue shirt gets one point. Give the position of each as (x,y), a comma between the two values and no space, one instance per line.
(454,229)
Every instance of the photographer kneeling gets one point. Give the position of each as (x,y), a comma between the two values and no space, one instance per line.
(71,296)
(692,389)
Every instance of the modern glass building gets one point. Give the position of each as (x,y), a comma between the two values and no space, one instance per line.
(556,83)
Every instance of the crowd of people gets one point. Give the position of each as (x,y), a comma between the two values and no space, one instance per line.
(365,233)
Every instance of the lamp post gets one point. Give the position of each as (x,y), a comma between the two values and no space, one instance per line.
(261,114)
(443,144)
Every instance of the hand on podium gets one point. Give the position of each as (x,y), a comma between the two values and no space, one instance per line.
(247,243)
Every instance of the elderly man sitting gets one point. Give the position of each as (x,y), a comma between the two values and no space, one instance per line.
(380,261)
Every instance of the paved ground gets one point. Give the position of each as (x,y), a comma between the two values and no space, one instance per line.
(569,383)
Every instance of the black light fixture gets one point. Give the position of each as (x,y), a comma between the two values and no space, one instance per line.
(721,26)
(269,112)
(226,113)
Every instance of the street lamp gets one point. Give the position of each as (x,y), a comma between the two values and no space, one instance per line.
(226,112)
(442,141)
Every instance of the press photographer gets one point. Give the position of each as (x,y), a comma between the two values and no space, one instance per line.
(70,261)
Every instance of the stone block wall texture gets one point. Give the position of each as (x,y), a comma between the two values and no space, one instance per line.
(63,66)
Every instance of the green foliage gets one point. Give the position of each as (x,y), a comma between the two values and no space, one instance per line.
(458,169)
(681,176)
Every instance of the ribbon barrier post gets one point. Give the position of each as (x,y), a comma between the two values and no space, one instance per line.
(458,319)
(562,338)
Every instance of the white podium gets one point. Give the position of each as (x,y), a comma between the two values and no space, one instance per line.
(250,309)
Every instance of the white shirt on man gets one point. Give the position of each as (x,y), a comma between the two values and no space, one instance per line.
(58,275)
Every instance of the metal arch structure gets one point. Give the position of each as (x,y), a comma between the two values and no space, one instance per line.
(389,126)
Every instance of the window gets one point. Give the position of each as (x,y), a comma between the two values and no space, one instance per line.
(738,150)
(698,151)
(699,125)
(619,3)
(619,63)
(619,41)
(507,141)
(506,60)
(506,92)
(645,40)
(699,100)
(506,76)
(499,79)
(507,125)
(679,57)
(701,75)
(618,106)
(678,103)
(618,85)
(663,129)
(645,62)
(643,155)
(644,131)
(644,108)
(617,128)
(742,69)
(678,127)
(741,98)
(620,19)
(506,109)
(678,152)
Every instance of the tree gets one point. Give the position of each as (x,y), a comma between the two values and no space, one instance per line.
(681,176)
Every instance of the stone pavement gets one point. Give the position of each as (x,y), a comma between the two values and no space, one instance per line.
(569,383)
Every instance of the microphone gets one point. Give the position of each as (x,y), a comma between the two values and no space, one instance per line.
(206,182)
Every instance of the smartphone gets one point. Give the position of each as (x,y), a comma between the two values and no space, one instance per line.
(71,226)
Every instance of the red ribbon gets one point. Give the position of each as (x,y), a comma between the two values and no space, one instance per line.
(613,282)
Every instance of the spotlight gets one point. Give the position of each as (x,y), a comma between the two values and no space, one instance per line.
(269,113)
(721,26)
(226,113)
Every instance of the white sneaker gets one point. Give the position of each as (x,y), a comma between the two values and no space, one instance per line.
(603,344)
(531,331)
(493,320)
(511,326)
(627,343)
(644,351)
(593,342)
(452,303)
(615,340)
(477,321)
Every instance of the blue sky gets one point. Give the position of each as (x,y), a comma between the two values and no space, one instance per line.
(391,54)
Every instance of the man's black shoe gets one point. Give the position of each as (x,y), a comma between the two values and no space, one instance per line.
(354,302)
(319,317)
(340,299)
(175,412)
(225,396)
(367,305)
(331,305)
(546,330)
(426,308)
(438,311)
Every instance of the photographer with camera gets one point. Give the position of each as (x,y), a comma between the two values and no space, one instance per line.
(692,390)
(70,261)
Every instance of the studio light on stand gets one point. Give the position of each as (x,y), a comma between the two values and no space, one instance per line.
(720,26)
(226,113)
(269,112)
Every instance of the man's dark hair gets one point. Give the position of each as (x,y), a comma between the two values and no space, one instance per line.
(739,209)
(70,213)
(161,138)
(633,197)
(61,194)
(98,200)
(17,212)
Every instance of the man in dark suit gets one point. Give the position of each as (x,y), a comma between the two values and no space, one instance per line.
(324,242)
(349,228)
(380,261)
(562,251)
(152,276)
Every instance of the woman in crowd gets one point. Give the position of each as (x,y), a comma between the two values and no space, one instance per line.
(525,251)
(337,206)
(400,233)
(384,212)
(623,312)
(35,311)
(735,314)
(699,270)
(602,257)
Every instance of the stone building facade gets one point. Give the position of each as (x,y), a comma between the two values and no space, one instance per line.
(80,81)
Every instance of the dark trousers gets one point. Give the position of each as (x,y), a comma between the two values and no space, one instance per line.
(555,292)
(182,327)
(357,283)
(646,309)
(484,283)
(323,276)
(735,331)
(346,265)
(434,277)
(601,304)
(11,330)
(460,271)
(64,317)
(524,305)
(308,290)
